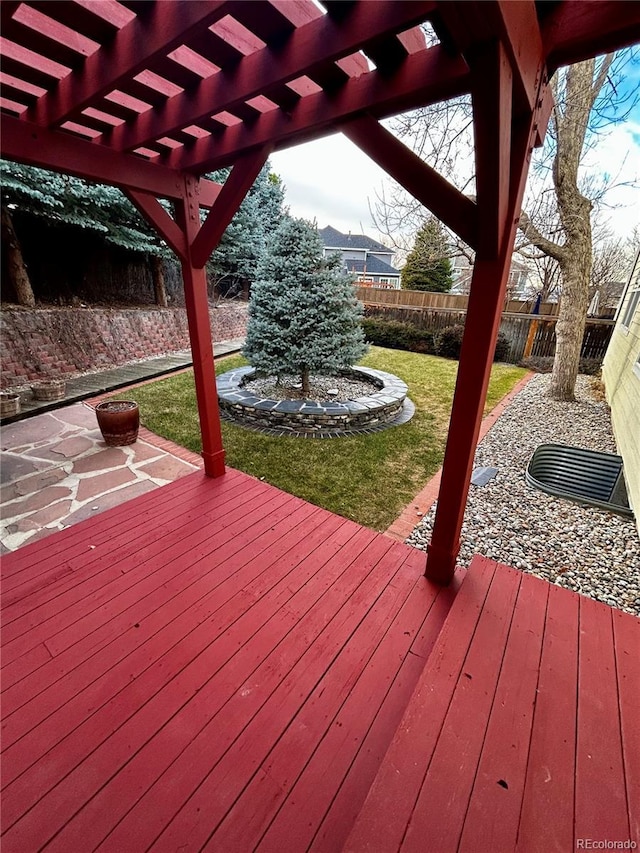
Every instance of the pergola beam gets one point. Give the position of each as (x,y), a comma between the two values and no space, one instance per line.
(28,143)
(306,48)
(316,115)
(164,27)
(572,32)
(426,185)
(516,24)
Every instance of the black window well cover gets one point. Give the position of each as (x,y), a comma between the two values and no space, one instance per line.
(584,476)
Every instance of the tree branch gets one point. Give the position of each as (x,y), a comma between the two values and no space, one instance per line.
(537,239)
(601,77)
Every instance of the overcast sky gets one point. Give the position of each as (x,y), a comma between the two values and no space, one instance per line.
(332,181)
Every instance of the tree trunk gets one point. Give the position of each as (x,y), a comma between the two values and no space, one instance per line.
(306,388)
(157,272)
(582,86)
(575,215)
(16,269)
(572,317)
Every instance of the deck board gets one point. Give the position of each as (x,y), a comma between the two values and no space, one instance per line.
(236,669)
(601,800)
(440,809)
(170,676)
(627,650)
(499,779)
(560,751)
(548,798)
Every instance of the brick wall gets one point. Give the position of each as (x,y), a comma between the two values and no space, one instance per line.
(55,342)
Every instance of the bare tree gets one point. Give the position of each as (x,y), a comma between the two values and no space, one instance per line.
(442,135)
(556,229)
(582,93)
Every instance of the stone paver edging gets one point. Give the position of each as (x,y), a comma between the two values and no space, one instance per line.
(388,406)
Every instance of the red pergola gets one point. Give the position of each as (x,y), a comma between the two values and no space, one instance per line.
(150,96)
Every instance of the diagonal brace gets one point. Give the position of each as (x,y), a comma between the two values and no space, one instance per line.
(158,218)
(234,189)
(458,212)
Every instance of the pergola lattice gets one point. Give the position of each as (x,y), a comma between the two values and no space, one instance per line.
(150,96)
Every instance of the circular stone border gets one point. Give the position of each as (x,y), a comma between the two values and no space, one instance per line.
(382,409)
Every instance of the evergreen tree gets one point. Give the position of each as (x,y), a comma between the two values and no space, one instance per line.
(427,266)
(303,314)
(103,210)
(246,238)
(65,200)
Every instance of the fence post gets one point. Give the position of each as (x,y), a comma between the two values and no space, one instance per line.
(528,347)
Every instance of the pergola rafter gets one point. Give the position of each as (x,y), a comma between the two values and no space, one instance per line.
(150,96)
(162,29)
(299,51)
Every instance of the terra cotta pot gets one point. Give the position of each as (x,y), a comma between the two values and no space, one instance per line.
(118,421)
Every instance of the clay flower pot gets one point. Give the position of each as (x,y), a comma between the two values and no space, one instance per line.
(118,421)
(9,404)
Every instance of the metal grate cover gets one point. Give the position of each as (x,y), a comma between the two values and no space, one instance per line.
(584,476)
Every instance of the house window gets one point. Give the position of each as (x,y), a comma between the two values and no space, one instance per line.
(634,295)
(630,310)
(383,280)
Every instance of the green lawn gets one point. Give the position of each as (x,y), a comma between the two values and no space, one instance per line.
(367,478)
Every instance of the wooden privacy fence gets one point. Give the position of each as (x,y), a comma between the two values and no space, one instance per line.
(540,335)
(424,299)
(529,335)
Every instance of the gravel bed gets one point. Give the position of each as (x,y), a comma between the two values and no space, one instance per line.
(290,388)
(584,549)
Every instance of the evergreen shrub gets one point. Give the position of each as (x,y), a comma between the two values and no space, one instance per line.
(503,348)
(448,343)
(398,335)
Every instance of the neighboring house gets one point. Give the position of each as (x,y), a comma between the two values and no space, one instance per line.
(605,299)
(518,284)
(368,260)
(621,376)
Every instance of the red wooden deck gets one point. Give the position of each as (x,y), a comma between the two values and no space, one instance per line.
(219,665)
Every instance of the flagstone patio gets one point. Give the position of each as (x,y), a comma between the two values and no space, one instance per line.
(56,470)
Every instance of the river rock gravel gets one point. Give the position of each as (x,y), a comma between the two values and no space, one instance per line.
(338,388)
(584,549)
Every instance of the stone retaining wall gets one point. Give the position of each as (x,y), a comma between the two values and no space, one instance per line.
(312,416)
(57,342)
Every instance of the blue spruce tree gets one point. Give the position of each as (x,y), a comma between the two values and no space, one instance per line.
(303,315)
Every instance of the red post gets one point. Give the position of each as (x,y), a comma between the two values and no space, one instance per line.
(503,149)
(481,329)
(197,305)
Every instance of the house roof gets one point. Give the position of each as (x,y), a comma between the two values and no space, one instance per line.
(372,266)
(334,239)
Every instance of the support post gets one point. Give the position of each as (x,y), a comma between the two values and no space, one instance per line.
(503,149)
(197,305)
